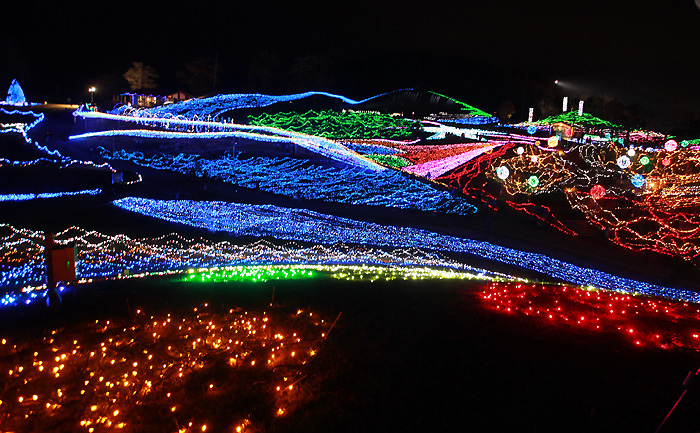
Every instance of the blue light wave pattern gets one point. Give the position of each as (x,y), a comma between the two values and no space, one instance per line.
(214,106)
(308,226)
(21,128)
(298,178)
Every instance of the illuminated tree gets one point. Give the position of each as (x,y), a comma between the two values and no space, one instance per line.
(141,76)
(15,95)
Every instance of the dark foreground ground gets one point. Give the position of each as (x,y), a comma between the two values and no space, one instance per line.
(425,356)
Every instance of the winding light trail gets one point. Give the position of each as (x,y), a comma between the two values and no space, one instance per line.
(320,145)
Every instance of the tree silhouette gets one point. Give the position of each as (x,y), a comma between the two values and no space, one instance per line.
(506,110)
(141,76)
(266,72)
(198,75)
(312,72)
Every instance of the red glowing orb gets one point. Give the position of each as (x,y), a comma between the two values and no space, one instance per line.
(597,192)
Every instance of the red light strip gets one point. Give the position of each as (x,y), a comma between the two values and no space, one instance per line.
(644,321)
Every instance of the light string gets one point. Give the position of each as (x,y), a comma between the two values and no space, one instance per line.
(339,125)
(574,118)
(644,198)
(21,128)
(320,145)
(33,196)
(643,321)
(292,177)
(216,106)
(22,268)
(65,161)
(147,371)
(438,167)
(470,110)
(308,226)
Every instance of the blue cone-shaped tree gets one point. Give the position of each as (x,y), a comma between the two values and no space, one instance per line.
(15,94)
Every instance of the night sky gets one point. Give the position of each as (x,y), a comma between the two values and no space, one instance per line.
(486,53)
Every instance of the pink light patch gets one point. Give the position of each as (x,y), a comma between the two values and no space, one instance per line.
(438,167)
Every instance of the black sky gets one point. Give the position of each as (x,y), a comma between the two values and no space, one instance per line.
(481,52)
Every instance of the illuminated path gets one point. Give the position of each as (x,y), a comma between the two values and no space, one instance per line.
(308,226)
(319,145)
(32,196)
(101,256)
(210,108)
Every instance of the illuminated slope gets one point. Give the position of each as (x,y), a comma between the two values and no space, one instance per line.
(212,107)
(308,226)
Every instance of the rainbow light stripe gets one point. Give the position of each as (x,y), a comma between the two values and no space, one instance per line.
(308,226)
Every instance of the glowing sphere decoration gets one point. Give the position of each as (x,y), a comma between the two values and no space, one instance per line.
(624,161)
(534,158)
(666,161)
(533,181)
(644,160)
(502,172)
(531,129)
(553,141)
(671,145)
(684,143)
(631,152)
(638,180)
(597,192)
(520,150)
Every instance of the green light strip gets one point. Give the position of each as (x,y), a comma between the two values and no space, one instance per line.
(251,274)
(340,125)
(572,117)
(263,273)
(473,111)
(390,160)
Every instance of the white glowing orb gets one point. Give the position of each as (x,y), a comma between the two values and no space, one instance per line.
(631,152)
(502,172)
(624,161)
(520,150)
(671,145)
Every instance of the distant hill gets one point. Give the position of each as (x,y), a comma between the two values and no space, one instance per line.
(573,118)
(410,102)
(420,102)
